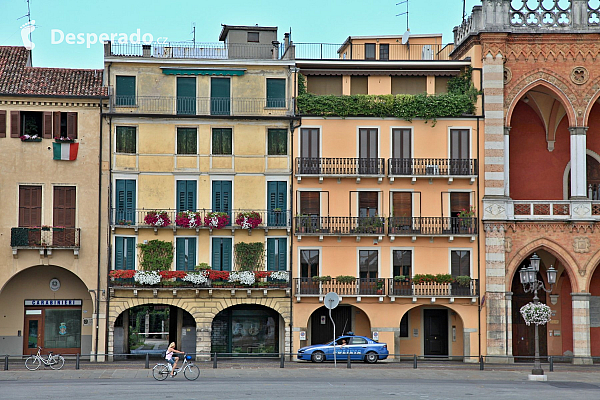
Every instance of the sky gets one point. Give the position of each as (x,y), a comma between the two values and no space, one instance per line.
(310,21)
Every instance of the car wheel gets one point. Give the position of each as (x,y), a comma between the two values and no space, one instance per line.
(318,357)
(371,357)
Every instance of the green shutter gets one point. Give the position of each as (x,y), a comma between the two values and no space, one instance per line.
(125,91)
(275,92)
(220,96)
(277,198)
(216,254)
(186,96)
(186,196)
(276,254)
(184,263)
(191,263)
(119,253)
(180,254)
(226,254)
(221,254)
(130,253)
(221,196)
(125,201)
(282,254)
(271,256)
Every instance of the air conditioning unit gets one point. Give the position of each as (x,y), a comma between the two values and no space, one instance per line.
(432,170)
(427,52)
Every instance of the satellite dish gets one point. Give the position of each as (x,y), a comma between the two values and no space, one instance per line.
(405,37)
(331,300)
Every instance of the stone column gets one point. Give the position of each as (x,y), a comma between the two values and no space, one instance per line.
(506,161)
(581,328)
(203,339)
(467,345)
(578,168)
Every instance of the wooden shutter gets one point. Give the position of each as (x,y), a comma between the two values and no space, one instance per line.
(15,124)
(119,260)
(186,258)
(272,260)
(72,125)
(216,254)
(459,201)
(221,254)
(2,123)
(30,206)
(47,125)
(56,123)
(310,203)
(125,200)
(64,215)
(129,253)
(226,261)
(186,196)
(402,203)
(401,143)
(221,196)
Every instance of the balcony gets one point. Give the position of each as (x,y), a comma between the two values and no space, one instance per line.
(541,210)
(446,168)
(432,226)
(137,219)
(378,287)
(45,239)
(352,52)
(340,168)
(309,225)
(201,106)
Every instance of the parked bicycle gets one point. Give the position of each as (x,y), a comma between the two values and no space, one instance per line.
(54,361)
(190,371)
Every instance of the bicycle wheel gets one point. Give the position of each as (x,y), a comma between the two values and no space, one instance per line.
(160,372)
(191,372)
(32,363)
(57,362)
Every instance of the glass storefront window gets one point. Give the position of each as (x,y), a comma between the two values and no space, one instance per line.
(62,328)
(246,331)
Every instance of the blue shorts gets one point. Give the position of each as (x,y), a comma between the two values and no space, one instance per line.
(171,361)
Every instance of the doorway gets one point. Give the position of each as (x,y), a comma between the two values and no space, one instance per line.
(322,327)
(435,332)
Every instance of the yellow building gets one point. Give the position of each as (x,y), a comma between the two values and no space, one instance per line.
(200,163)
(53,185)
(386,193)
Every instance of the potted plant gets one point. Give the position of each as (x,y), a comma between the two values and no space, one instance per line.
(345,279)
(419,279)
(465,218)
(443,278)
(216,220)
(157,218)
(461,285)
(188,219)
(248,220)
(400,278)
(202,267)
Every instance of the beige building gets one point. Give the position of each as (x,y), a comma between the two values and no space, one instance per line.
(54,186)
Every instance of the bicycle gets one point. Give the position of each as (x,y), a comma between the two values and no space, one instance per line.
(54,361)
(190,371)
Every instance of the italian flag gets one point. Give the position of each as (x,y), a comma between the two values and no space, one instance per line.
(65,151)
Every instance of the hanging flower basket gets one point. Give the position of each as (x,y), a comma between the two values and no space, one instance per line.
(538,314)
(248,220)
(157,218)
(216,220)
(188,219)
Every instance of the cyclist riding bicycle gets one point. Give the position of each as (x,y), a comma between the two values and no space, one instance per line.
(171,358)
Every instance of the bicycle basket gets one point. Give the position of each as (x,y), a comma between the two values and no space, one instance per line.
(188,358)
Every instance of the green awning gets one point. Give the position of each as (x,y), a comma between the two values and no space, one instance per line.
(200,71)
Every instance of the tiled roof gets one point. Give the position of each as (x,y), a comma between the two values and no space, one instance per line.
(17,78)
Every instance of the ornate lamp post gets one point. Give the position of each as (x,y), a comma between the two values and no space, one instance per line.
(530,284)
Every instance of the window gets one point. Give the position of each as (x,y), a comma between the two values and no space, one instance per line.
(368,204)
(187,141)
(62,328)
(276,254)
(459,152)
(186,95)
(359,84)
(402,263)
(221,196)
(32,123)
(221,254)
(309,263)
(30,206)
(401,212)
(186,195)
(370,51)
(125,91)
(310,203)
(459,201)
(368,264)
(277,203)
(277,142)
(63,215)
(253,37)
(404,325)
(220,96)
(368,150)
(65,124)
(401,146)
(460,263)
(275,92)
(384,52)
(125,202)
(126,142)
(185,256)
(124,252)
(221,141)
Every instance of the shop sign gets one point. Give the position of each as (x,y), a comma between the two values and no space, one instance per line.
(52,302)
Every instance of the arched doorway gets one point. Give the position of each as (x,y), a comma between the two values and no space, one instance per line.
(149,328)
(247,329)
(347,318)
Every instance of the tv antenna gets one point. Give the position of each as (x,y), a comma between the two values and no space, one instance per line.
(404,13)
(194,33)
(464,10)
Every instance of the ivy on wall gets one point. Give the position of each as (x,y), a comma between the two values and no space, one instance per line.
(249,256)
(156,255)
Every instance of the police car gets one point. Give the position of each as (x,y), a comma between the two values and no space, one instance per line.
(358,347)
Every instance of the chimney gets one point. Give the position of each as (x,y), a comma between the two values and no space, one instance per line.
(286,40)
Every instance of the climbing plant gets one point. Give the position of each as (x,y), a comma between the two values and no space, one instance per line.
(249,256)
(156,255)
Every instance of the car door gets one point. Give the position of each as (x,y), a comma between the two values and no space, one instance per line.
(358,347)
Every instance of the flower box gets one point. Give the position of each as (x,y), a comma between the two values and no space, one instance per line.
(248,220)
(188,219)
(31,138)
(64,140)
(216,220)
(157,218)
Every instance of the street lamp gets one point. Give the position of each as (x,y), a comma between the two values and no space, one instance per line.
(530,284)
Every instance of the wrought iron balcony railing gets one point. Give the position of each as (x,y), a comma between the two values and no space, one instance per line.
(136,218)
(432,167)
(217,106)
(426,226)
(391,52)
(48,237)
(340,166)
(315,225)
(320,286)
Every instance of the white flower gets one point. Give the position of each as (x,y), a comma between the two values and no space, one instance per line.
(243,277)
(147,277)
(214,222)
(538,314)
(246,224)
(197,278)
(280,275)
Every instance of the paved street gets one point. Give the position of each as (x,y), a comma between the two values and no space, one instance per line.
(300,381)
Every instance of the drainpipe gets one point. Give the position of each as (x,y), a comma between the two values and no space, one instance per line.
(478,246)
(99,233)
(108,202)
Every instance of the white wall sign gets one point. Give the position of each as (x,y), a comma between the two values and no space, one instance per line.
(302,335)
(375,335)
(52,302)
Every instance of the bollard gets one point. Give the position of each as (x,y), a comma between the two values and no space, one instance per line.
(282,362)
(6,363)
(215,361)
(348,363)
(77,361)
(481,366)
(551,364)
(415,361)
(147,361)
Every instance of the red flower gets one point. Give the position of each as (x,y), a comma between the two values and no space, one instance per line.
(122,274)
(172,274)
(262,274)
(212,275)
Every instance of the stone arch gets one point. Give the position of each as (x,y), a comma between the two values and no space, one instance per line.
(272,303)
(543,79)
(592,97)
(24,270)
(551,247)
(588,152)
(590,267)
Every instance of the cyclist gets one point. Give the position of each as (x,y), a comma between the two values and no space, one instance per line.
(171,358)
